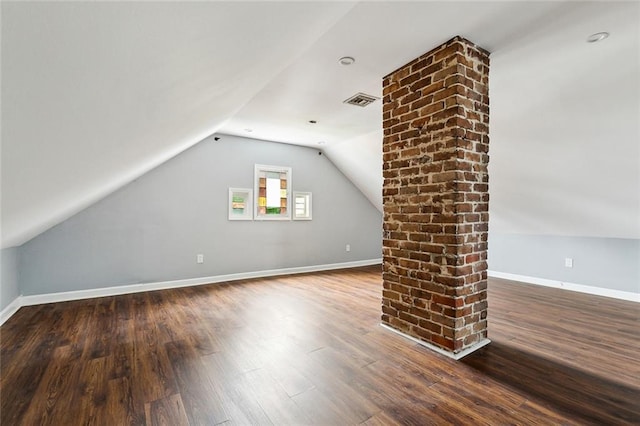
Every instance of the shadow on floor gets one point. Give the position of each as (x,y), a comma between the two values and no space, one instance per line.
(589,397)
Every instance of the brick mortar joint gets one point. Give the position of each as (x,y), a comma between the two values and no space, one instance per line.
(459,40)
(460,262)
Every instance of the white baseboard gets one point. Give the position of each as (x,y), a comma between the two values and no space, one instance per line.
(580,288)
(39,299)
(11,309)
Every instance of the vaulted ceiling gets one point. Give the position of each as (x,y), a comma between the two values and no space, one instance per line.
(95,94)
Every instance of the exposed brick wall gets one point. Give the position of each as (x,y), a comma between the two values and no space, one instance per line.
(436,200)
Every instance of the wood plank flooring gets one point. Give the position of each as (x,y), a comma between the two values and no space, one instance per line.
(308,349)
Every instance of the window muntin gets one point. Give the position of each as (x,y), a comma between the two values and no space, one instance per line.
(272,192)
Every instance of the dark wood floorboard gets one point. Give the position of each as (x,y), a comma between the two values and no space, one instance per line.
(309,350)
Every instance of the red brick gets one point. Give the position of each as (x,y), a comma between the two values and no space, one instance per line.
(435,145)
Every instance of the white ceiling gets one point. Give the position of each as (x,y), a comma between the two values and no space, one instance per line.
(96,94)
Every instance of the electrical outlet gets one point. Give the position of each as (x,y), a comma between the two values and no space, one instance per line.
(568,262)
(200,258)
(348,247)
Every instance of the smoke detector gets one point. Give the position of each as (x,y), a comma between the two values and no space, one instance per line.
(361,100)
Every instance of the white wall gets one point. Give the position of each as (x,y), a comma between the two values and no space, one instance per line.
(9,287)
(564,172)
(109,90)
(360,159)
(152,229)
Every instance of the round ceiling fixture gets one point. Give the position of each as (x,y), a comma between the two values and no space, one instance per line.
(596,37)
(321,143)
(346,60)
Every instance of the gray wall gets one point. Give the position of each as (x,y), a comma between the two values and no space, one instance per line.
(9,288)
(612,263)
(152,229)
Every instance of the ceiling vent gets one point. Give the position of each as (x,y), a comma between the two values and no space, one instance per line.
(361,100)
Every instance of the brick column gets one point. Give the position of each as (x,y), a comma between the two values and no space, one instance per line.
(436,199)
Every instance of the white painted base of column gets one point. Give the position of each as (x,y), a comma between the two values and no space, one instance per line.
(456,356)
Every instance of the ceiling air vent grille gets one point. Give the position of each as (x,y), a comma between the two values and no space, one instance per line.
(360,99)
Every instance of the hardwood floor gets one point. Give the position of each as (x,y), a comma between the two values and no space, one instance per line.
(308,349)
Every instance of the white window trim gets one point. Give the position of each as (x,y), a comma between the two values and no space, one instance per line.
(309,205)
(256,191)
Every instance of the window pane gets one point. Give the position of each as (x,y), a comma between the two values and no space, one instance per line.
(273,193)
(302,204)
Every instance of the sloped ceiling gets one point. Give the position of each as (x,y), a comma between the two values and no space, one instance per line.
(96,94)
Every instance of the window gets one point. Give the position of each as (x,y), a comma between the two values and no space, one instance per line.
(272,192)
(302,206)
